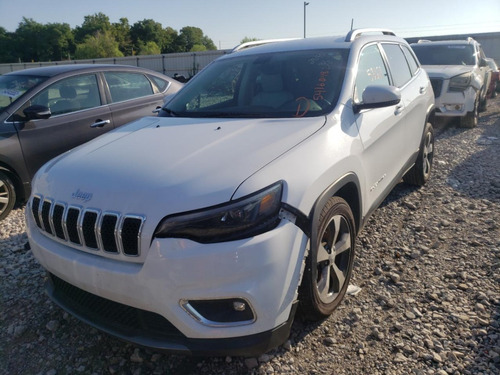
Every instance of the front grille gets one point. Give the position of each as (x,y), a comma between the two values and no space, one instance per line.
(109,315)
(437,85)
(93,229)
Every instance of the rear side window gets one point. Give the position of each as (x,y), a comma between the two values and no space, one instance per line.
(411,60)
(162,84)
(126,86)
(397,62)
(371,71)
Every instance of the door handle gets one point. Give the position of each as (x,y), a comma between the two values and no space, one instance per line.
(157,110)
(423,90)
(100,123)
(398,109)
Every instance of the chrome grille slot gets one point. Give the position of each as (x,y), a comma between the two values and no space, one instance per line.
(108,233)
(46,205)
(35,209)
(72,225)
(90,229)
(131,232)
(57,220)
(89,226)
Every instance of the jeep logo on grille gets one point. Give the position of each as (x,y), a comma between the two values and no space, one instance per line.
(81,195)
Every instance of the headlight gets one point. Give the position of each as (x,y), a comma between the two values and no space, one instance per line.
(460,82)
(243,218)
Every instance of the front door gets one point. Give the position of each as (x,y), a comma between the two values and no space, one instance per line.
(77,117)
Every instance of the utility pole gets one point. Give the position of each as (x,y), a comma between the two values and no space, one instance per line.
(305,4)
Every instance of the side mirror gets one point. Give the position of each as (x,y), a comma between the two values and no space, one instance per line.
(378,96)
(483,63)
(37,112)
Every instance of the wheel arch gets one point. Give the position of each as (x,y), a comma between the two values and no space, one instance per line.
(347,188)
(431,114)
(21,193)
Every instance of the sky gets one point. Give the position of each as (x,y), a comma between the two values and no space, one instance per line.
(227,22)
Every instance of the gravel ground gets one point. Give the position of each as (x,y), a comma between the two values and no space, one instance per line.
(427,268)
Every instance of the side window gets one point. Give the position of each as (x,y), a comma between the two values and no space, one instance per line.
(70,95)
(371,71)
(126,86)
(397,62)
(162,84)
(411,60)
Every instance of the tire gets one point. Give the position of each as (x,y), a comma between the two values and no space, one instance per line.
(471,119)
(7,195)
(483,104)
(329,263)
(420,173)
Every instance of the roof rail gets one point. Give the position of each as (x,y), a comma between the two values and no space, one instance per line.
(256,43)
(424,41)
(353,34)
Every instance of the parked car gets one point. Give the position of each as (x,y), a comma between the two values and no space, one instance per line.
(460,77)
(203,230)
(47,111)
(495,77)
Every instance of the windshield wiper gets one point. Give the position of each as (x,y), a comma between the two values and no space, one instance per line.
(169,112)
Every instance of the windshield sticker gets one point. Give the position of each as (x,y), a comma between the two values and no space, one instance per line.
(319,89)
(10,93)
(303,102)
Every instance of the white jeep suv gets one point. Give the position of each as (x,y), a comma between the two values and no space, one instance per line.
(204,229)
(459,74)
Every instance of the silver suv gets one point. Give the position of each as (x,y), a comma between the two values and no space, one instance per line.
(459,75)
(204,229)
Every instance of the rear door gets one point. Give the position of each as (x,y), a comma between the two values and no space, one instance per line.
(131,95)
(78,116)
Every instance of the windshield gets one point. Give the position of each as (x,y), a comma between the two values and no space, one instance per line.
(451,54)
(13,86)
(284,84)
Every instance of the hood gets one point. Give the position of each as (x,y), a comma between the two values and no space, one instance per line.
(446,71)
(173,164)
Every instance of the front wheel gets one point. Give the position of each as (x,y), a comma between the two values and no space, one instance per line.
(7,195)
(421,170)
(330,261)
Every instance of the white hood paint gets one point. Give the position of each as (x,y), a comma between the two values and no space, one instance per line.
(179,163)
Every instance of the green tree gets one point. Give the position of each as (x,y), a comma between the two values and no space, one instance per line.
(170,37)
(57,42)
(121,32)
(148,31)
(150,48)
(103,44)
(190,36)
(37,42)
(6,47)
(91,25)
(198,48)
(247,39)
(28,40)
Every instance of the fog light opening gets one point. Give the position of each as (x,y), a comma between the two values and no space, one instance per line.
(239,306)
(220,312)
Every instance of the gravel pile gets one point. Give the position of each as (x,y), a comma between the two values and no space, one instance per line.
(425,293)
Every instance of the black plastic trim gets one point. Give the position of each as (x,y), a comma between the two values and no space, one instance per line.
(301,221)
(176,342)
